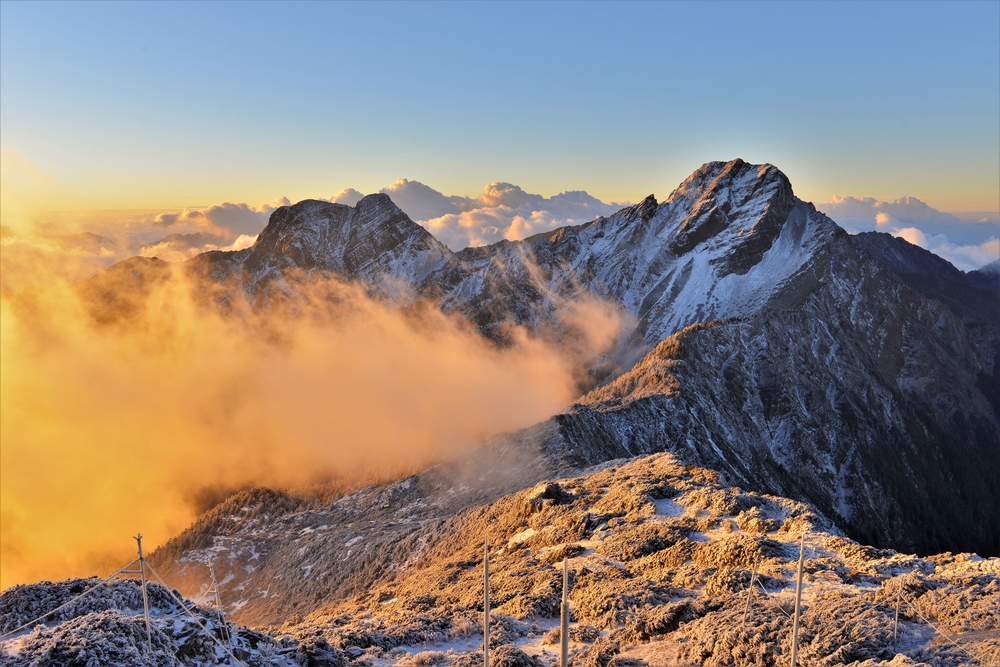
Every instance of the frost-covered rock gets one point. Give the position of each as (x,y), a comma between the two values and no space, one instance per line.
(106,627)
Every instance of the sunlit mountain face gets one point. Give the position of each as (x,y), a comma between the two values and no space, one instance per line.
(352,312)
(731,323)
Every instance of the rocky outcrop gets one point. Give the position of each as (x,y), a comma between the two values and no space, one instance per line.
(371,242)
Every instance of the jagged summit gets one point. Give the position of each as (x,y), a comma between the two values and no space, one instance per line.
(712,175)
(369,242)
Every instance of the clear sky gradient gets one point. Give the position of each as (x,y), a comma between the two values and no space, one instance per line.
(175,104)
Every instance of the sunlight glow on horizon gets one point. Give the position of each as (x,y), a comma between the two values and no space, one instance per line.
(156,105)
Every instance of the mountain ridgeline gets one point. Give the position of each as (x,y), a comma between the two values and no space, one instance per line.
(859,374)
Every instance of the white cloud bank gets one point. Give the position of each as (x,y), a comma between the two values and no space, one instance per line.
(226,226)
(969,242)
(71,250)
(501,211)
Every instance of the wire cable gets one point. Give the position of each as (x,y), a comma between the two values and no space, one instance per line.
(940,632)
(181,604)
(102,582)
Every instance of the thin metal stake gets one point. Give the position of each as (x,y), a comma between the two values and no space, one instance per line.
(753,575)
(798,601)
(145,598)
(895,623)
(486,602)
(564,618)
(224,630)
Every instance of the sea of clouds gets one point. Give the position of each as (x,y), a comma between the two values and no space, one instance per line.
(969,241)
(75,249)
(501,211)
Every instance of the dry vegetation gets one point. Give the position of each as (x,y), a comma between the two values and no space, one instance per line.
(660,558)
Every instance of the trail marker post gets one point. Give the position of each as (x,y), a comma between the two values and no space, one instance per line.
(798,601)
(753,575)
(564,618)
(145,598)
(486,602)
(224,629)
(895,623)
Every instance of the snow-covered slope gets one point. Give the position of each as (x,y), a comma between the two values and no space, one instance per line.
(732,239)
(100,623)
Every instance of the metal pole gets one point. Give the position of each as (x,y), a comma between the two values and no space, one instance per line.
(564,618)
(215,586)
(895,623)
(753,575)
(145,599)
(798,601)
(224,629)
(486,602)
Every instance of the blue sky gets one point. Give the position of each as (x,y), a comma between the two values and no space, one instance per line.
(165,106)
(173,104)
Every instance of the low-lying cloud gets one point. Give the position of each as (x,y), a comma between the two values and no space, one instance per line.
(111,430)
(969,242)
(70,248)
(227,221)
(180,247)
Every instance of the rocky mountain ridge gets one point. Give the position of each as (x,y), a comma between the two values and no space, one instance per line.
(698,255)
(784,354)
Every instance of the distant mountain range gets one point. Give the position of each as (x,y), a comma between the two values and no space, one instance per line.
(860,374)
